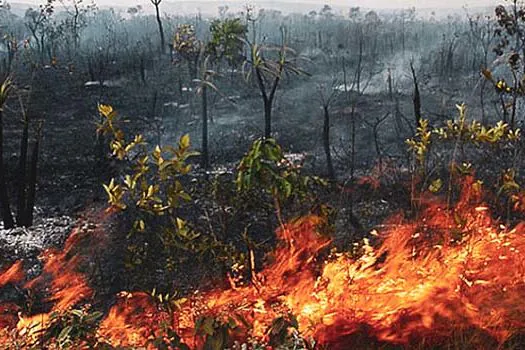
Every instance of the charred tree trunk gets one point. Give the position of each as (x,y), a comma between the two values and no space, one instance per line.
(268,99)
(10,58)
(91,70)
(359,65)
(390,85)
(267,118)
(482,101)
(504,108)
(101,160)
(31,190)
(101,73)
(352,144)
(154,99)
(142,69)
(22,168)
(42,49)
(192,69)
(375,132)
(403,45)
(450,61)
(7,216)
(204,155)
(354,221)
(352,124)
(417,97)
(156,3)
(514,102)
(326,143)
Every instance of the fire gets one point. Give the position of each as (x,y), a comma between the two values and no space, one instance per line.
(259,304)
(449,270)
(60,280)
(129,321)
(420,283)
(13,274)
(67,287)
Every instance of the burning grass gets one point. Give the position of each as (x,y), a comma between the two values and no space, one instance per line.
(452,276)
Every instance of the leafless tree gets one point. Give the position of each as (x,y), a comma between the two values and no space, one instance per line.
(156,3)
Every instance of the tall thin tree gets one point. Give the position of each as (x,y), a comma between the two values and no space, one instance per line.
(416,98)
(7,216)
(269,73)
(205,83)
(156,3)
(22,167)
(327,96)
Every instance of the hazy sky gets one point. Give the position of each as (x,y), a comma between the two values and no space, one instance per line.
(419,3)
(345,3)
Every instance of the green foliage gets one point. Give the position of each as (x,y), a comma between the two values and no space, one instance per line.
(216,332)
(153,198)
(151,189)
(270,69)
(260,167)
(420,143)
(226,40)
(166,301)
(169,339)
(70,328)
(266,168)
(462,133)
(5,88)
(150,193)
(185,42)
(474,132)
(509,185)
(468,140)
(219,333)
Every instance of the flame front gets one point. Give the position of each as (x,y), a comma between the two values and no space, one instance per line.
(450,270)
(422,282)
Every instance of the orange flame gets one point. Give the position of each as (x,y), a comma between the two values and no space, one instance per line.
(451,269)
(12,274)
(60,279)
(68,287)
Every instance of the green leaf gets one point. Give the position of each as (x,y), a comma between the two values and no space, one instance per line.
(64,334)
(180,223)
(435,186)
(287,188)
(184,142)
(208,326)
